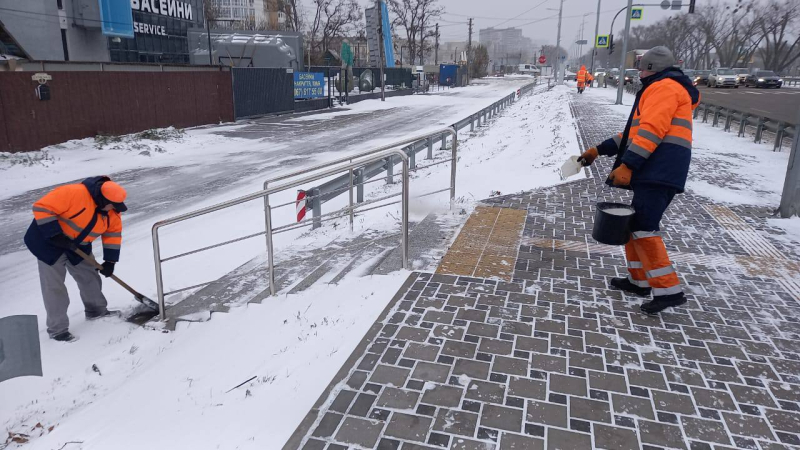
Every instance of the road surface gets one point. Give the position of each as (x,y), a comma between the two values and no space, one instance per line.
(287,143)
(777,104)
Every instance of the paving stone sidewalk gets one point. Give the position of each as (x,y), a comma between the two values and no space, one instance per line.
(553,359)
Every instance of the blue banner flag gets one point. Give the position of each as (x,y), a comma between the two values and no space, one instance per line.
(387,35)
(116,18)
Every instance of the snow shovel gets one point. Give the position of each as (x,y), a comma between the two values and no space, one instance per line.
(139,297)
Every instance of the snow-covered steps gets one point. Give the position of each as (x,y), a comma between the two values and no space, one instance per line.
(367,254)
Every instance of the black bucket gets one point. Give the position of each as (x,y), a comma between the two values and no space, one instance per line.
(612,228)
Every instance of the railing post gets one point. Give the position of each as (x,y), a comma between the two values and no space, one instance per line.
(162,311)
(270,247)
(359,185)
(705,113)
(430,147)
(696,111)
(743,124)
(790,198)
(350,203)
(444,141)
(779,136)
(715,120)
(453,166)
(471,123)
(389,170)
(759,129)
(728,118)
(316,208)
(404,219)
(412,157)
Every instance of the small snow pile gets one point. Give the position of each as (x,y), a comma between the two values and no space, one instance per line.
(143,142)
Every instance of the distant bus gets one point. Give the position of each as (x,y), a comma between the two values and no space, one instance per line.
(529,69)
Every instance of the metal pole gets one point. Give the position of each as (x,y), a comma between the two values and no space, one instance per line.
(559,80)
(268,235)
(596,31)
(351,200)
(380,39)
(790,199)
(208,28)
(360,185)
(162,311)
(316,208)
(405,214)
(621,80)
(453,166)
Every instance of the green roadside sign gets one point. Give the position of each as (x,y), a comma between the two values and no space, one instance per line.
(602,41)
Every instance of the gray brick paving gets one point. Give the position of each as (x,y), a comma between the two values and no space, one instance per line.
(555,360)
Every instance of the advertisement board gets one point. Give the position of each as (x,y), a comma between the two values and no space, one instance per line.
(309,85)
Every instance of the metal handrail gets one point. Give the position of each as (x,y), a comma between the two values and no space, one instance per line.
(268,216)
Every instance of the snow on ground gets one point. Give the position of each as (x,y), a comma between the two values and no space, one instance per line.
(170,390)
(725,168)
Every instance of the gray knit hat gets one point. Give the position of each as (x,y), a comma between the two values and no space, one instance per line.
(657,59)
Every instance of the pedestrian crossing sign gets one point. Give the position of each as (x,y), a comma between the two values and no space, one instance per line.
(602,41)
(636,14)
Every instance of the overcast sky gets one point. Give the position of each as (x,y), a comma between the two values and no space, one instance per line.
(536,21)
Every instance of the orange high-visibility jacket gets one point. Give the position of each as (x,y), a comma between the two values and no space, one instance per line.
(74,210)
(581,76)
(659,147)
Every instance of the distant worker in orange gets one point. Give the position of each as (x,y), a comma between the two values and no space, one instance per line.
(589,79)
(70,217)
(652,159)
(581,78)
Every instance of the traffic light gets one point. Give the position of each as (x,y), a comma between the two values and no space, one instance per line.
(610,44)
(691,6)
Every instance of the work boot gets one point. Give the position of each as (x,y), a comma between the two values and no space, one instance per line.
(99,315)
(662,302)
(64,337)
(624,284)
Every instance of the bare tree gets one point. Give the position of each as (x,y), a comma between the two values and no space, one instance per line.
(416,18)
(779,22)
(333,19)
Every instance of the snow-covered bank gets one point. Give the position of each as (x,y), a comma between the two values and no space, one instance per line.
(170,390)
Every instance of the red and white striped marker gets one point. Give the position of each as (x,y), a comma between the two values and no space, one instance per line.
(300,205)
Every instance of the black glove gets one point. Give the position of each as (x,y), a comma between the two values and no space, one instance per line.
(62,241)
(108,268)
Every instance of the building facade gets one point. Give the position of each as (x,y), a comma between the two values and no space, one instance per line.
(70,30)
(504,45)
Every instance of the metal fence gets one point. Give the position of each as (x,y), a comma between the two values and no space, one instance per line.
(258,91)
(356,170)
(333,188)
(729,116)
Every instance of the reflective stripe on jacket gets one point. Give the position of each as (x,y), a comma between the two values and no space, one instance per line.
(74,210)
(659,147)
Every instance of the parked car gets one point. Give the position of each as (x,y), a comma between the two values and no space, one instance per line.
(631,75)
(570,76)
(701,77)
(722,77)
(599,72)
(741,74)
(765,79)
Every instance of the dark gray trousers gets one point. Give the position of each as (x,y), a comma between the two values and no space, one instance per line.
(54,292)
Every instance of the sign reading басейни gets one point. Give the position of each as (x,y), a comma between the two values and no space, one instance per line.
(309,85)
(169,8)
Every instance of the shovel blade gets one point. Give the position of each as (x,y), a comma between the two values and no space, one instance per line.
(147,302)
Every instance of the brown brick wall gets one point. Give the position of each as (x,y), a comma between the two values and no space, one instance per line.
(84,104)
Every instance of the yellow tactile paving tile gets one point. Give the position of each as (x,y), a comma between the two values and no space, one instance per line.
(487,246)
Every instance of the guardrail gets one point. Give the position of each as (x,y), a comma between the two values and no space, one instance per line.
(356,161)
(782,130)
(318,195)
(357,171)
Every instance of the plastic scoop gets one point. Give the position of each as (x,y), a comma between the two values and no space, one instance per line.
(570,167)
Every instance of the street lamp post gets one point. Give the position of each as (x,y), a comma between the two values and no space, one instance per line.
(594,42)
(621,76)
(559,79)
